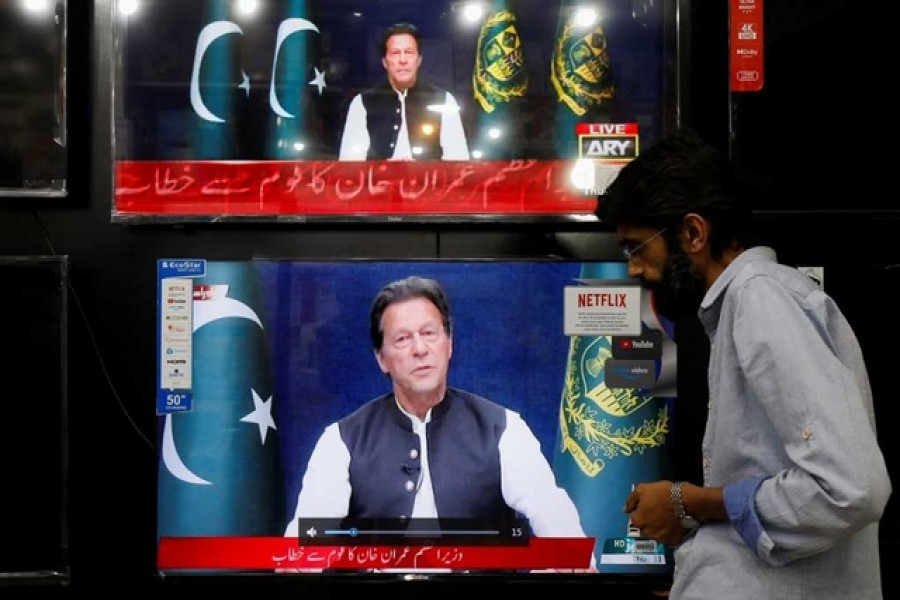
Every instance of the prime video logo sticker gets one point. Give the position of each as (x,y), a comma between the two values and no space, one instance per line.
(618,373)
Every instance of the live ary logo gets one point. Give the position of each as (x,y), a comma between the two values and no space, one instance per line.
(607,141)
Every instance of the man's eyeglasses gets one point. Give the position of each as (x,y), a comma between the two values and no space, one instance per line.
(632,252)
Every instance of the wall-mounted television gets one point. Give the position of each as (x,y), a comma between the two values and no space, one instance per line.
(35,537)
(257,358)
(33,154)
(227,113)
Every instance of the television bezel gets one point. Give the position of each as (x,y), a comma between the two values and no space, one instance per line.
(454,267)
(557,208)
(37,88)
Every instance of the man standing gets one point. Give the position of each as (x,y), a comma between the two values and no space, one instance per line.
(404,118)
(794,480)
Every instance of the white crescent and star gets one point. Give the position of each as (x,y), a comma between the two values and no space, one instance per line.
(285,29)
(318,80)
(208,35)
(213,31)
(205,312)
(261,416)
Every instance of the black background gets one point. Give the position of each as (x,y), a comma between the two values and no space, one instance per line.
(782,138)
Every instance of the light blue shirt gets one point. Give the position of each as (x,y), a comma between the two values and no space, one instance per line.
(791,437)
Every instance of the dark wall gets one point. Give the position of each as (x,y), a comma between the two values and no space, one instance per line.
(112,424)
(33,373)
(809,137)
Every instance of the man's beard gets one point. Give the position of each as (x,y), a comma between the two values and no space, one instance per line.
(680,291)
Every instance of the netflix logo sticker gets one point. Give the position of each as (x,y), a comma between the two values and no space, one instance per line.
(602,310)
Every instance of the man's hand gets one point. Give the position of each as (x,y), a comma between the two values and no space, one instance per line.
(650,507)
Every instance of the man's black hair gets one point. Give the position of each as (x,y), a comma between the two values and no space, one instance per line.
(680,174)
(397,29)
(407,289)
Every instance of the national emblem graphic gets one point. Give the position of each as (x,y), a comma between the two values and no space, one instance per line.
(581,71)
(589,411)
(499,74)
(611,437)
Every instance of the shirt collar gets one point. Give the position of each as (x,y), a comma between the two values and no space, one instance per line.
(413,418)
(712,300)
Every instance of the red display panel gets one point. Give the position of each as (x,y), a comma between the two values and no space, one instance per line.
(747,45)
(235,553)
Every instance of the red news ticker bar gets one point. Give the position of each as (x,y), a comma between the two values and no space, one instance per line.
(285,553)
(259,188)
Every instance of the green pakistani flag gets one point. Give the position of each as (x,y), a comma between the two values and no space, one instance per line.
(610,439)
(219,469)
(296,85)
(581,75)
(215,80)
(499,82)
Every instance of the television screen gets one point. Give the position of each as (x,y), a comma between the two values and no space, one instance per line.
(34,545)
(33,159)
(565,362)
(282,109)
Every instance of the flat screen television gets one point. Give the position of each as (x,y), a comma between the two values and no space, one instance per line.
(236,110)
(33,152)
(35,533)
(257,357)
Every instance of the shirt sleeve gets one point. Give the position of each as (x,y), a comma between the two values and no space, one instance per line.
(529,485)
(355,139)
(325,489)
(837,482)
(453,136)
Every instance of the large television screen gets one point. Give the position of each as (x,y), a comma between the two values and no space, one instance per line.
(33,155)
(35,542)
(287,109)
(258,359)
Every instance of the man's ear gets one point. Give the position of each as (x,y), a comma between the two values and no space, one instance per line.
(695,232)
(380,363)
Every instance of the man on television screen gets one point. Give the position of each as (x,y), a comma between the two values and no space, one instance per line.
(426,450)
(403,118)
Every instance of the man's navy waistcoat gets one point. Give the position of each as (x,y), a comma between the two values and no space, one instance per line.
(384,117)
(463,457)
